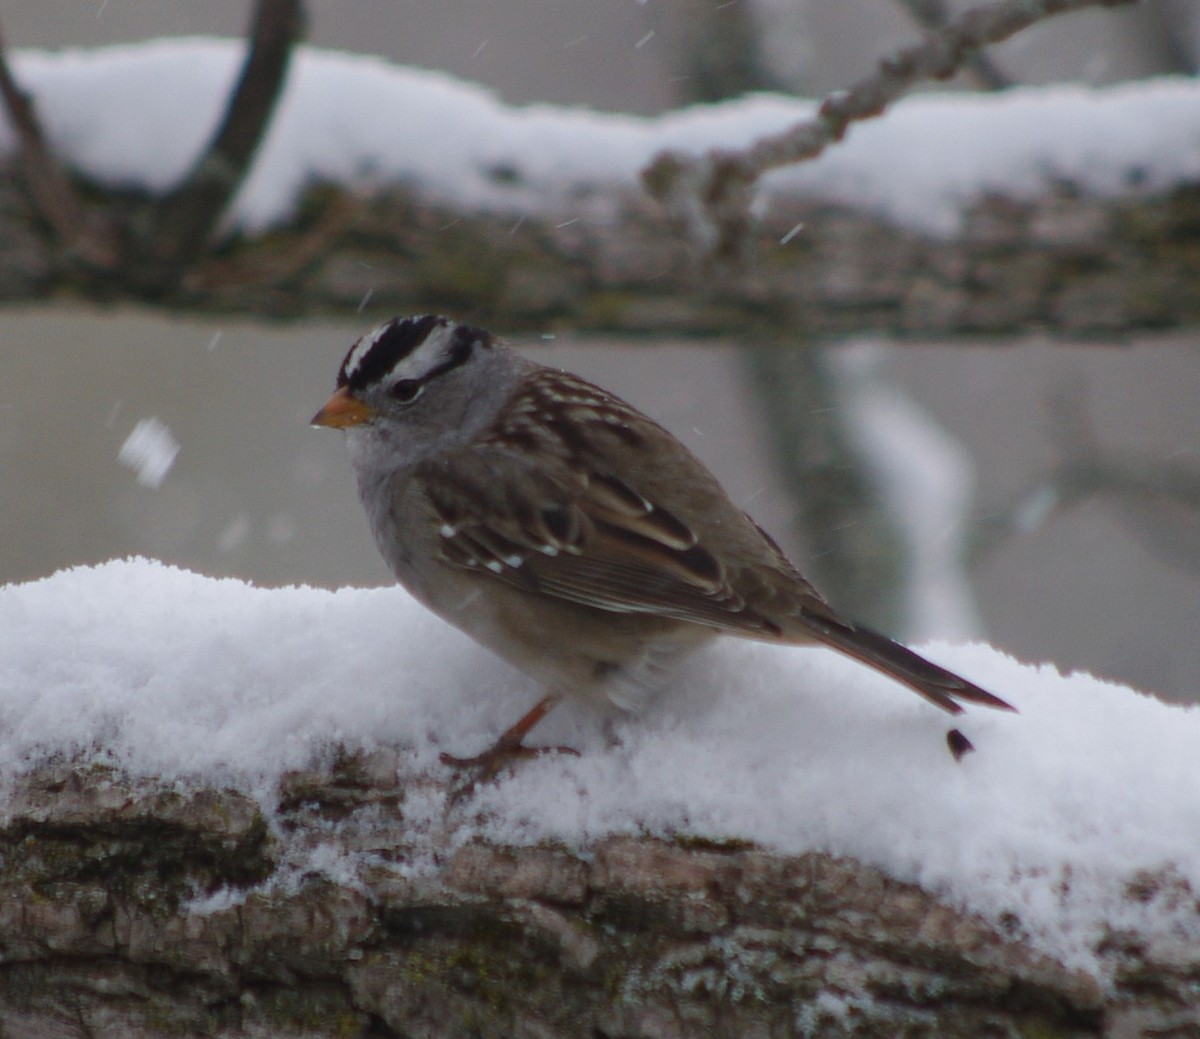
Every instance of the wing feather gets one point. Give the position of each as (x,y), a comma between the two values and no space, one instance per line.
(536,504)
(580,550)
(571,528)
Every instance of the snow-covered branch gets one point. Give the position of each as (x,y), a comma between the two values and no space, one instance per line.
(135,908)
(1063,208)
(712,194)
(152,253)
(223,808)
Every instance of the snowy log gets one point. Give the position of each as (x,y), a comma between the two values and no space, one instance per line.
(106,932)
(388,189)
(223,814)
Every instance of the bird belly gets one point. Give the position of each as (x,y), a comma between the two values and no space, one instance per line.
(622,658)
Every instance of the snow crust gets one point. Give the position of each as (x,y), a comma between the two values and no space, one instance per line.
(159,671)
(138,115)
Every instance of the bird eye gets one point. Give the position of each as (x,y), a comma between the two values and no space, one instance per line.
(407,390)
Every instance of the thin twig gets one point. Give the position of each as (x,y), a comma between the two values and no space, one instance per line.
(49,186)
(932,16)
(711,193)
(185,219)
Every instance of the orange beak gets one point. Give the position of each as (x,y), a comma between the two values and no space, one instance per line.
(341,411)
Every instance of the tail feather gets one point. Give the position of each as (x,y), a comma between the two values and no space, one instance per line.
(939,686)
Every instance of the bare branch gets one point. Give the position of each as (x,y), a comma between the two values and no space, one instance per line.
(48,184)
(932,16)
(184,220)
(710,194)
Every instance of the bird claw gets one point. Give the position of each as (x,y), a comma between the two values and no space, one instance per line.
(485,767)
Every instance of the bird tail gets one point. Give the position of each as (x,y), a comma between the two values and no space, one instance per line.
(939,686)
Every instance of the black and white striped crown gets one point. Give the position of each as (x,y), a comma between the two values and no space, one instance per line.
(410,348)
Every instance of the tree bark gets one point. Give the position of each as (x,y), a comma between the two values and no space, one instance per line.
(101,934)
(1066,264)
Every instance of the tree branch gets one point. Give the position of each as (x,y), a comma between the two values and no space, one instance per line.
(77,232)
(183,222)
(139,907)
(1073,261)
(932,16)
(711,194)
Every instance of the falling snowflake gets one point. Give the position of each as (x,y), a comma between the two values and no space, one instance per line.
(149,451)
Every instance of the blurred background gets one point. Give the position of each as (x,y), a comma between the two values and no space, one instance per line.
(1103,578)
(596,52)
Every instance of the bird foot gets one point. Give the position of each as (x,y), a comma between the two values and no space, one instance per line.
(501,756)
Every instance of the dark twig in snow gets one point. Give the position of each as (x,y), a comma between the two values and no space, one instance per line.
(710,194)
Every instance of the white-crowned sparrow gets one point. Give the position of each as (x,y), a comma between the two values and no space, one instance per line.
(566,531)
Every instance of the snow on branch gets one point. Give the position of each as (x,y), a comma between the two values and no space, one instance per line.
(154,251)
(1061,208)
(711,194)
(223,807)
(179,677)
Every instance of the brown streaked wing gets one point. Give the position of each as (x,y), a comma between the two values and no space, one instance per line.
(585,538)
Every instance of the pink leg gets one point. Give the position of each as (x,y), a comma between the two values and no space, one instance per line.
(509,746)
